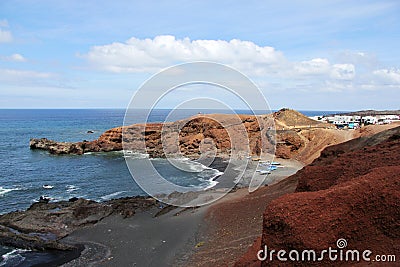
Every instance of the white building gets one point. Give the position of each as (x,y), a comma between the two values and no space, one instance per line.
(370,120)
(356,121)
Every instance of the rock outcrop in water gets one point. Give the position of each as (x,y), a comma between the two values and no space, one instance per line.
(110,140)
(351,191)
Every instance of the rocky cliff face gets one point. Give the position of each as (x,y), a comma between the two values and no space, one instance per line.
(351,191)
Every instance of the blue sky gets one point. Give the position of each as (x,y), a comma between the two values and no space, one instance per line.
(315,55)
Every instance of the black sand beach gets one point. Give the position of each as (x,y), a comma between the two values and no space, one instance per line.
(150,239)
(143,240)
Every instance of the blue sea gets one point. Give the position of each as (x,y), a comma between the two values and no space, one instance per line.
(97,176)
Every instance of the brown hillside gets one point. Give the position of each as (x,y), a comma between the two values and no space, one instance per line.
(293,118)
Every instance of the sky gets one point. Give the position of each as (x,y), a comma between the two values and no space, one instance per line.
(306,55)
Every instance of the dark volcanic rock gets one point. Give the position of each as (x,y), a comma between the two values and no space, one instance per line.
(42,225)
(56,147)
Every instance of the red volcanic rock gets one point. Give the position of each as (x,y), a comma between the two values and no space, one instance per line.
(351,159)
(352,191)
(185,136)
(112,136)
(249,259)
(365,211)
(289,143)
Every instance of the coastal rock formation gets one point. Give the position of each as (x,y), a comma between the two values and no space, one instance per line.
(351,191)
(189,137)
(222,134)
(287,134)
(108,141)
(56,147)
(43,225)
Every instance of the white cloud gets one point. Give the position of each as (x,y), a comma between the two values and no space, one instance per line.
(361,59)
(14,58)
(336,86)
(388,76)
(5,36)
(315,66)
(343,71)
(17,58)
(150,55)
(142,55)
(323,68)
(346,71)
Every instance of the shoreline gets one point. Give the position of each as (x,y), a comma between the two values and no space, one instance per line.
(231,225)
(111,237)
(173,231)
(176,236)
(57,257)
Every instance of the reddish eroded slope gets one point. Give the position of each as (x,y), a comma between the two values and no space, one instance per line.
(365,211)
(352,191)
(351,159)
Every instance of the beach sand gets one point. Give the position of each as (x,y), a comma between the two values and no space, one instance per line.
(209,235)
(142,240)
(233,224)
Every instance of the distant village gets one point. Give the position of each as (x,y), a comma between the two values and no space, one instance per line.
(356,121)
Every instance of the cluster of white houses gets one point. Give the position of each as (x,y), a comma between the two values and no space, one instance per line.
(351,122)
